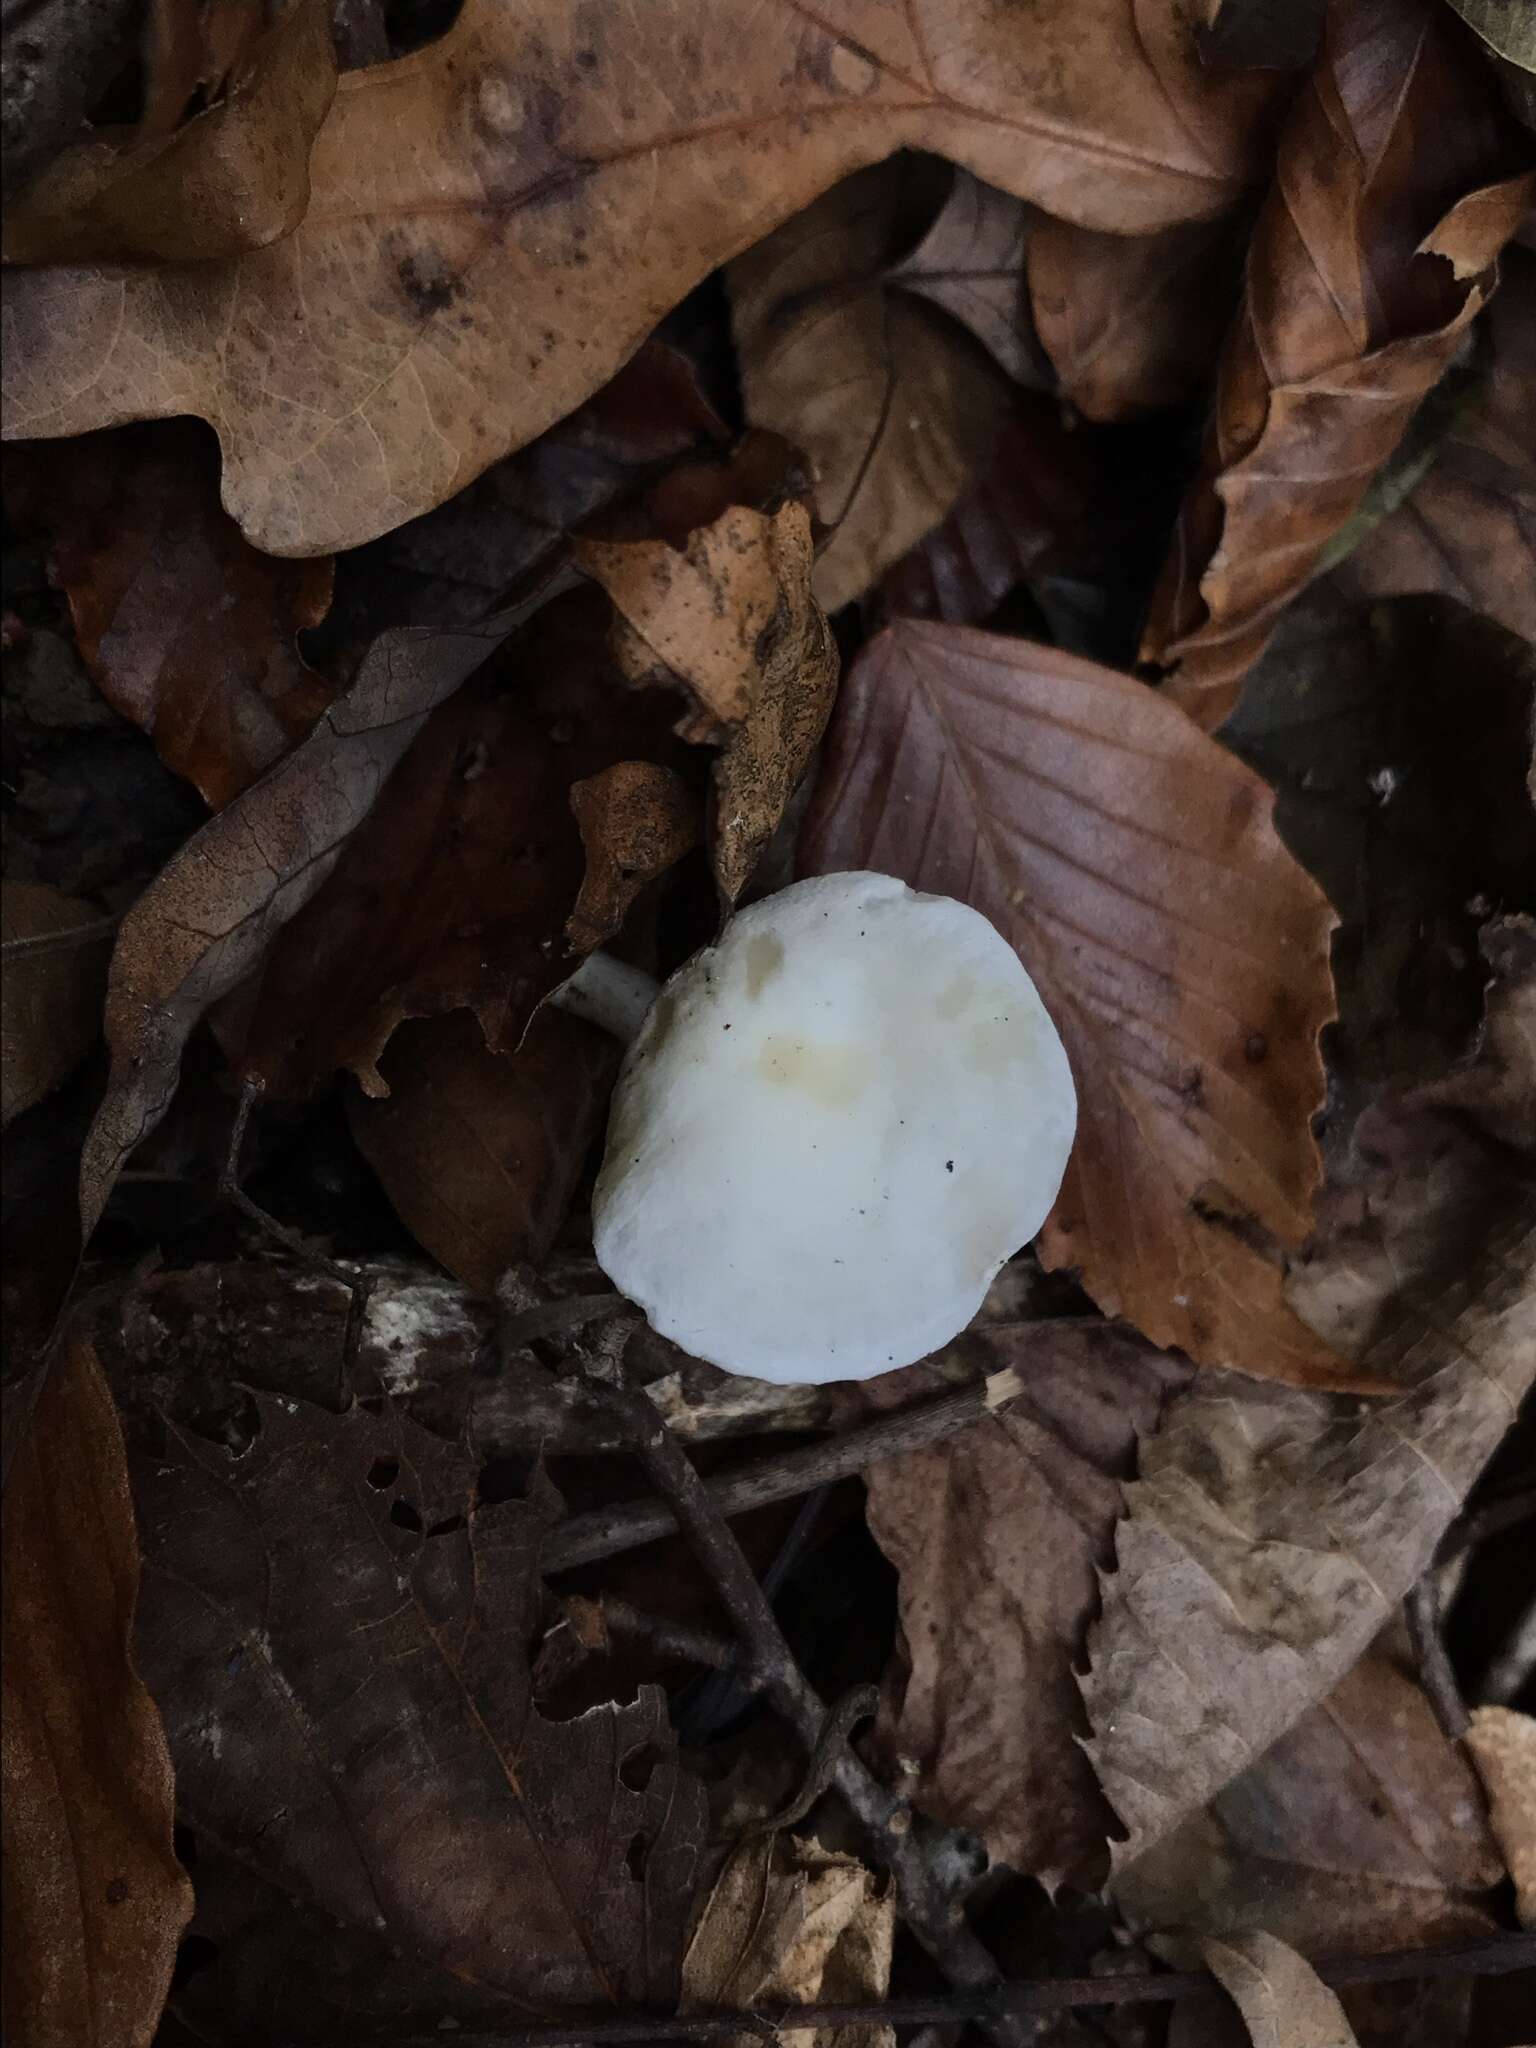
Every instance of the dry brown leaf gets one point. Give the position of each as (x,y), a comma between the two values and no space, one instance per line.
(1272,1533)
(730,616)
(1469,529)
(1183,954)
(212,913)
(56,74)
(507,212)
(1399,180)
(895,405)
(95,1900)
(1283,2001)
(232,179)
(998,1537)
(185,628)
(1132,323)
(1503,1746)
(52,1001)
(338,1632)
(971,262)
(479,1151)
(637,819)
(791,1923)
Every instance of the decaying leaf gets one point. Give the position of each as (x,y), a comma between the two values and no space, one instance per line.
(731,617)
(1505,26)
(509,211)
(52,1000)
(637,819)
(1180,950)
(95,1900)
(337,1632)
(53,79)
(1399,180)
(1503,1746)
(184,626)
(1131,323)
(235,178)
(971,262)
(790,1922)
(1283,2001)
(479,1151)
(896,406)
(998,1537)
(216,907)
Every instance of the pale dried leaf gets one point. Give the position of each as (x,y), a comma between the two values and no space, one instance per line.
(1503,1746)
(1507,26)
(637,820)
(1283,2001)
(1182,953)
(971,262)
(51,1001)
(509,211)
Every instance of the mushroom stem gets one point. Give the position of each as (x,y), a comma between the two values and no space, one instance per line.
(609,993)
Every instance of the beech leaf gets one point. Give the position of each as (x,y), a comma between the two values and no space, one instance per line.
(232,179)
(1183,954)
(1283,2001)
(971,262)
(508,212)
(1399,180)
(95,1900)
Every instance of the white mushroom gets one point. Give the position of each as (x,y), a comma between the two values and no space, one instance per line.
(831,1131)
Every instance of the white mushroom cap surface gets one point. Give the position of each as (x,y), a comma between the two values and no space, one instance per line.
(832,1130)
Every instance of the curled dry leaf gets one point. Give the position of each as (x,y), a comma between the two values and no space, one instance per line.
(1503,1746)
(509,211)
(1283,2001)
(337,1632)
(209,917)
(896,407)
(731,617)
(637,819)
(1131,323)
(1399,180)
(184,626)
(234,178)
(981,1702)
(95,1900)
(1183,954)
(789,1922)
(51,1001)
(479,1151)
(971,262)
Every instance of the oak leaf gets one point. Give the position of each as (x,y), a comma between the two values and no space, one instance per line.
(95,1899)
(506,213)
(1183,954)
(1399,180)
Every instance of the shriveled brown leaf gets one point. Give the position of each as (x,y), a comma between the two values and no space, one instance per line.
(479,1151)
(184,626)
(637,819)
(233,179)
(1132,323)
(95,1900)
(789,1922)
(731,617)
(1503,1746)
(1399,180)
(52,1001)
(454,893)
(338,1633)
(971,262)
(509,211)
(213,912)
(1283,2001)
(1468,530)
(895,405)
(1181,951)
(998,1537)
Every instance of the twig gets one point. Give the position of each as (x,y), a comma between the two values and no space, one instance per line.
(1494,1956)
(606,1531)
(1421,1610)
(58,942)
(929,1906)
(1503,1511)
(608,1616)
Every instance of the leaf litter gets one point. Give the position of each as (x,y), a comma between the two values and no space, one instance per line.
(645,462)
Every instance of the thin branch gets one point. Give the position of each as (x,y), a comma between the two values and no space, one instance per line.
(607,1616)
(928,1905)
(1421,1610)
(1495,1956)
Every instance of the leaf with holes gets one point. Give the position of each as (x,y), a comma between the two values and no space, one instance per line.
(1183,954)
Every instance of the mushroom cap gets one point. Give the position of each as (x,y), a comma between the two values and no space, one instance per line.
(833,1129)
